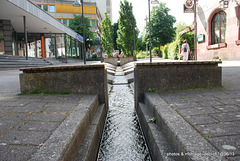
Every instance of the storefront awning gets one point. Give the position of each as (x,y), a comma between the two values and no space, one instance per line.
(37,20)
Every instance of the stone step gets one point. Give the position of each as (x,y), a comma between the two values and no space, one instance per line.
(15,62)
(159,146)
(9,67)
(24,63)
(88,150)
(15,57)
(185,140)
(66,140)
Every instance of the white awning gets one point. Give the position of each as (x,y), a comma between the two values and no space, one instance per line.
(37,20)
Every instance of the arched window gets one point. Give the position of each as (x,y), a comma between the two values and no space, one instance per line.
(219,27)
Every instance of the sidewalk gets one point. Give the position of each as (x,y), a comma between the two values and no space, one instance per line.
(213,113)
(27,121)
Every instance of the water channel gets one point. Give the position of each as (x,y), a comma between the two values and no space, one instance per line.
(122,137)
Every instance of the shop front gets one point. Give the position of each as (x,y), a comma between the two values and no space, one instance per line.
(36,33)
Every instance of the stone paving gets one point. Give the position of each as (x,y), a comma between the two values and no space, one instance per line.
(214,113)
(27,121)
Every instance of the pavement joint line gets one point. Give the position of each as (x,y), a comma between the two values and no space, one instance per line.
(77,105)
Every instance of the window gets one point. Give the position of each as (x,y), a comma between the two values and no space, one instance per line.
(51,8)
(43,7)
(93,23)
(219,27)
(65,21)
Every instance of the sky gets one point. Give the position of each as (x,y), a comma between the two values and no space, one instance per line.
(140,11)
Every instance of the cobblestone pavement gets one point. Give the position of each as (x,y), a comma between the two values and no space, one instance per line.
(214,113)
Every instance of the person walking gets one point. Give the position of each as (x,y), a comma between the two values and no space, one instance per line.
(185,50)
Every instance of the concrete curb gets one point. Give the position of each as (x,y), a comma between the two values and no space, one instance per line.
(157,143)
(64,143)
(187,143)
(89,149)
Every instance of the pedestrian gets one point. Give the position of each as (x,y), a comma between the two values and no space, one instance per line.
(185,50)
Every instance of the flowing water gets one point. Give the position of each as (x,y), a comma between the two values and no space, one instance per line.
(122,137)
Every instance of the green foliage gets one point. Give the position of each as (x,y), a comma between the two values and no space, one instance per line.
(140,44)
(162,25)
(152,90)
(164,89)
(107,35)
(152,120)
(142,55)
(190,39)
(126,25)
(76,25)
(165,52)
(37,91)
(181,26)
(171,51)
(115,28)
(155,51)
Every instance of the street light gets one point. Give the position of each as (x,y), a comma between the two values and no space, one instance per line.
(134,54)
(77,4)
(150,48)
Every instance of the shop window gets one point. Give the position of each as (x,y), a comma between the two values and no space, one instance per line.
(218,33)
(51,8)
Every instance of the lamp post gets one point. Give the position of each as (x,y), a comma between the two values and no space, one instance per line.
(77,4)
(134,36)
(150,48)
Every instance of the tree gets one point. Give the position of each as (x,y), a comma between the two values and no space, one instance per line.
(107,35)
(126,25)
(115,28)
(163,31)
(76,25)
(181,26)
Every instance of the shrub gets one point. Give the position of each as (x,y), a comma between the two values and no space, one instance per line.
(165,52)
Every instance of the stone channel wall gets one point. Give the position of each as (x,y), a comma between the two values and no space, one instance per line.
(114,61)
(85,79)
(175,75)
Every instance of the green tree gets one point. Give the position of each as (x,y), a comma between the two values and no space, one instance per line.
(163,31)
(76,25)
(181,26)
(115,28)
(107,35)
(126,24)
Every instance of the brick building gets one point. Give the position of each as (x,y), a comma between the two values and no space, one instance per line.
(218,30)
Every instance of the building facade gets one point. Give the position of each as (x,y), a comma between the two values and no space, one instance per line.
(64,11)
(218,31)
(26,30)
(103,5)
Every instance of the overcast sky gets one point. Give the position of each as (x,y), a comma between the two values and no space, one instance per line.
(140,11)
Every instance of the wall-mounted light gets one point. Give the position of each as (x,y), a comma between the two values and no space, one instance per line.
(223,4)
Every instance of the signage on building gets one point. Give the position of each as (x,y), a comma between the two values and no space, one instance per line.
(200,38)
(79,38)
(188,6)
